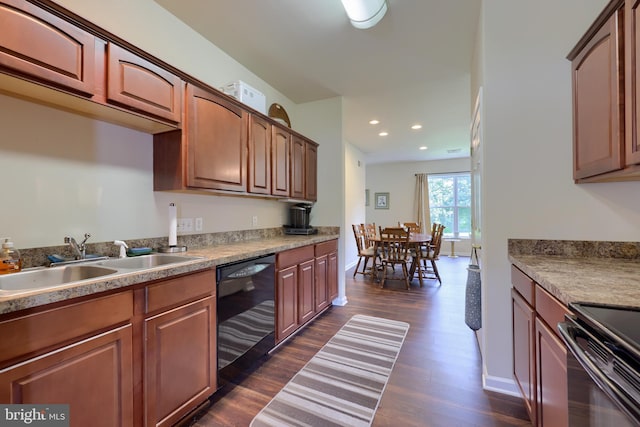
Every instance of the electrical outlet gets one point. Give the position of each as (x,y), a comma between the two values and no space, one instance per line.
(184,225)
(198,224)
(254,221)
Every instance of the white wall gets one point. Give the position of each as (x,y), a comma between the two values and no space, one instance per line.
(71,175)
(398,179)
(528,190)
(322,122)
(355,212)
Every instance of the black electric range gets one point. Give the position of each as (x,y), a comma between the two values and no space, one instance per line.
(603,364)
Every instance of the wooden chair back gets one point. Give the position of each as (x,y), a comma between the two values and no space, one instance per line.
(370,232)
(359,235)
(412,227)
(394,242)
(436,240)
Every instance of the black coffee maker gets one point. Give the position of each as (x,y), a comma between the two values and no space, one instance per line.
(299,216)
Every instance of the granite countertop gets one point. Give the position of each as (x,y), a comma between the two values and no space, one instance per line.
(211,255)
(596,272)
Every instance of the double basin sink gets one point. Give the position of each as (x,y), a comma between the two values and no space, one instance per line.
(52,277)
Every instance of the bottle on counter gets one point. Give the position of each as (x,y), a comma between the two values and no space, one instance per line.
(10,261)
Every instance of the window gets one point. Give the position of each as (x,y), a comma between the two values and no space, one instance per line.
(450,202)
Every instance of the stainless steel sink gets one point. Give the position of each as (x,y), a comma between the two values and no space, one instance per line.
(51,277)
(146,261)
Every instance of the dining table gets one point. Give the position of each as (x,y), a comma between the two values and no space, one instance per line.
(416,241)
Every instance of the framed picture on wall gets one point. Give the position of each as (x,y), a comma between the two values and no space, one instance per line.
(382,200)
(366,197)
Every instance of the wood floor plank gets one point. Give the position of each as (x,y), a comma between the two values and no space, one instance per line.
(437,377)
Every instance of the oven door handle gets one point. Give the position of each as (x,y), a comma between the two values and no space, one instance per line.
(569,332)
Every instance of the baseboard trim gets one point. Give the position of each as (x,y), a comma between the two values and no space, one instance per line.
(500,385)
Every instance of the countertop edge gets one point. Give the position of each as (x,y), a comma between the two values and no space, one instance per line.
(212,256)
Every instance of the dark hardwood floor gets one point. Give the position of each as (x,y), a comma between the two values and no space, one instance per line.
(436,380)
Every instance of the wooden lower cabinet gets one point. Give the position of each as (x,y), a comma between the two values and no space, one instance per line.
(180,368)
(539,355)
(306,283)
(93,376)
(141,357)
(287,302)
(524,373)
(551,365)
(306,291)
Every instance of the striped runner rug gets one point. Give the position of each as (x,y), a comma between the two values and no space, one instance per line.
(343,383)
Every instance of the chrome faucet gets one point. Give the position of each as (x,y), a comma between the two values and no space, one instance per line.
(80,250)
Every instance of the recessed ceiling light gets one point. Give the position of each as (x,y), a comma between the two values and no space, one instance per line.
(374,122)
(416,127)
(423,148)
(383,133)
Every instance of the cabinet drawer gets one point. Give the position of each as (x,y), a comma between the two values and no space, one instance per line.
(179,290)
(294,256)
(326,247)
(39,331)
(549,308)
(524,285)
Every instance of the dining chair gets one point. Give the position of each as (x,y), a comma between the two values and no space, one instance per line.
(411,227)
(394,250)
(365,248)
(431,253)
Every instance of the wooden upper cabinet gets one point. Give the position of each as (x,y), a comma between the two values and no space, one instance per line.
(632,78)
(259,155)
(280,154)
(298,175)
(311,171)
(138,84)
(598,110)
(39,45)
(217,142)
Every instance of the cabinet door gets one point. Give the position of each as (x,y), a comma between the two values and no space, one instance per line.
(297,167)
(306,291)
(551,361)
(216,141)
(311,171)
(523,318)
(287,302)
(332,276)
(140,85)
(180,361)
(259,155)
(322,296)
(281,144)
(40,45)
(93,376)
(632,79)
(598,111)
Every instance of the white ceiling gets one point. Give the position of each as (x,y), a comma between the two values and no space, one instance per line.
(413,67)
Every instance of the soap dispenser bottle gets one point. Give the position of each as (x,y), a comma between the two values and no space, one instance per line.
(10,261)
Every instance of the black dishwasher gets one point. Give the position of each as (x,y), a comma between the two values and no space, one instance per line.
(246,314)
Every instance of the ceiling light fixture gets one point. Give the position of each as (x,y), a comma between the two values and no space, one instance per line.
(383,133)
(423,148)
(365,13)
(416,127)
(374,122)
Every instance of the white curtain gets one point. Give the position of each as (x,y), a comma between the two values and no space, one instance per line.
(421,201)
